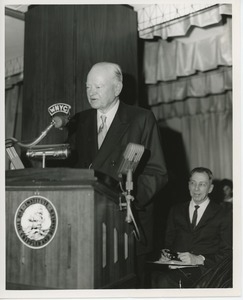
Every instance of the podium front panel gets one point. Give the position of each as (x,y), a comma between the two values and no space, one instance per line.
(89,247)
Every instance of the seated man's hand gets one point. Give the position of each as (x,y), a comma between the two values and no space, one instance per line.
(191,259)
(165,256)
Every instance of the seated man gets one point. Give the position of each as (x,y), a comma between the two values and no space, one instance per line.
(198,232)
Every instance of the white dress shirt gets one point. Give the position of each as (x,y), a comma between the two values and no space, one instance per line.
(109,116)
(200,210)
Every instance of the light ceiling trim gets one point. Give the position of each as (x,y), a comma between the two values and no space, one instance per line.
(14,13)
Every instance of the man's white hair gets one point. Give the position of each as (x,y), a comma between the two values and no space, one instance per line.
(115,68)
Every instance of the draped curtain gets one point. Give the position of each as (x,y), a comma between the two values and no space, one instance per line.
(188,76)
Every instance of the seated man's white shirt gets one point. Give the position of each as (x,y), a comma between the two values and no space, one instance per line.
(200,210)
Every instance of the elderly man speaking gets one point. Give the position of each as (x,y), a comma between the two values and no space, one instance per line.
(100,135)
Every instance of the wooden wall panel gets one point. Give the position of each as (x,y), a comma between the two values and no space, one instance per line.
(48,67)
(106,33)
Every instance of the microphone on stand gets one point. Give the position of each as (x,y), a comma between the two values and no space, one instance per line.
(60,113)
(131,158)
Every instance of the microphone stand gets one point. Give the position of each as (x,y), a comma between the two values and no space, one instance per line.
(57,121)
(35,142)
(129,199)
(14,158)
(131,158)
(128,195)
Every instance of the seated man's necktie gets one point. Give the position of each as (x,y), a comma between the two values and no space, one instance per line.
(194,217)
(102,130)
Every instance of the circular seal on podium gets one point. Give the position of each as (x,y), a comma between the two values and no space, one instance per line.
(36,222)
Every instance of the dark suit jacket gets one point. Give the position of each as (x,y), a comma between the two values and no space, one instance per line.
(130,124)
(211,237)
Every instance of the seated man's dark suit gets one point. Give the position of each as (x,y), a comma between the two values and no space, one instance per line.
(210,238)
(130,125)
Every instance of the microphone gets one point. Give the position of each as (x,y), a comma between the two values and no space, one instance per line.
(131,158)
(60,121)
(60,113)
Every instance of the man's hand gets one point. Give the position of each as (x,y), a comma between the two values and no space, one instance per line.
(165,256)
(191,259)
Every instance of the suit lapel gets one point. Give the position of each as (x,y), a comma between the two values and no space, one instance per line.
(113,136)
(208,214)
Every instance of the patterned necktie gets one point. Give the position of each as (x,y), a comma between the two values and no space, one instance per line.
(194,217)
(102,130)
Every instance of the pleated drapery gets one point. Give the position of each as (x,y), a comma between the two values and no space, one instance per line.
(188,76)
(212,82)
(207,141)
(164,61)
(173,20)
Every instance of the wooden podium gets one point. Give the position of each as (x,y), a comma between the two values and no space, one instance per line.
(64,230)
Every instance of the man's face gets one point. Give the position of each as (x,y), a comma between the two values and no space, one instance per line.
(200,186)
(102,88)
(227,191)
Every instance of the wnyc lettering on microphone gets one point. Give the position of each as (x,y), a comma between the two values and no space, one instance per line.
(59,108)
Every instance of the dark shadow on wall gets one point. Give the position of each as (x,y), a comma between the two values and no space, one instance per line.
(142,87)
(176,189)
(129,91)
